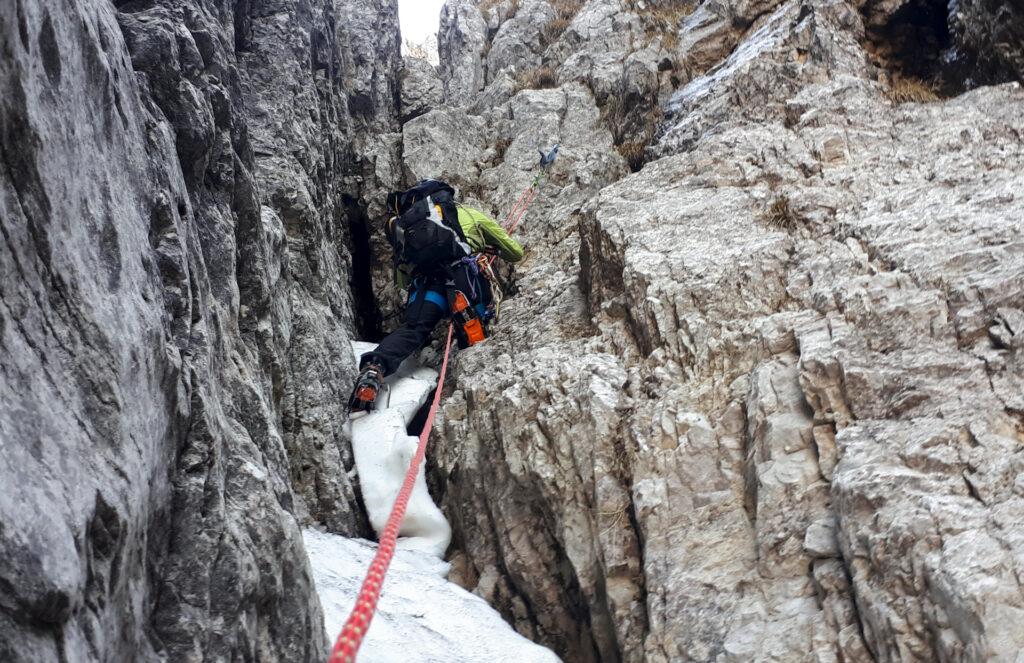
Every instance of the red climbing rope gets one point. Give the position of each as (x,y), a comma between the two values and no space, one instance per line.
(519,217)
(351,636)
(519,209)
(515,208)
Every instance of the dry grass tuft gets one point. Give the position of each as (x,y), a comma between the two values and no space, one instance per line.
(632,133)
(635,154)
(664,21)
(550,33)
(565,12)
(566,8)
(662,18)
(501,147)
(780,214)
(612,113)
(904,90)
(536,79)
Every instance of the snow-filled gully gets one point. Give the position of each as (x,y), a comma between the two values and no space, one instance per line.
(421,616)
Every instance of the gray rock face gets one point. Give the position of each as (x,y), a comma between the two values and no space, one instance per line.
(174,323)
(370,47)
(444,143)
(422,90)
(761,400)
(517,43)
(628,54)
(474,436)
(461,38)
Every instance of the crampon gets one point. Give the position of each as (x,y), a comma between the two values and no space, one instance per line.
(368,386)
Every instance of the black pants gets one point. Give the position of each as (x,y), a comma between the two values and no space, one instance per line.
(427,305)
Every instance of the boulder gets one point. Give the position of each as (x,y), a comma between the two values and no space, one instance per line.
(422,90)
(446,143)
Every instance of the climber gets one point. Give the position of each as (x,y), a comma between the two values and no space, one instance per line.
(442,255)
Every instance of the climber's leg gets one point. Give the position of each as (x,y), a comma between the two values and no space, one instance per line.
(425,309)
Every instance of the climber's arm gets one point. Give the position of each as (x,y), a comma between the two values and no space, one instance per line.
(509,249)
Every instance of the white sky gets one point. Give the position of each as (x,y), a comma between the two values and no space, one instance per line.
(419,18)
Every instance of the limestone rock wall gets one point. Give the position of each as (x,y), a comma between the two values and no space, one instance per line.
(759,401)
(175,318)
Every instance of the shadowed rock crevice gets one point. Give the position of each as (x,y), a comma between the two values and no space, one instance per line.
(368,315)
(926,47)
(990,36)
(915,45)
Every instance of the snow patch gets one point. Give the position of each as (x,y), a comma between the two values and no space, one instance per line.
(383,451)
(421,616)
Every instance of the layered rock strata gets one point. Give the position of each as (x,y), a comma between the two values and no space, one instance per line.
(175,318)
(761,399)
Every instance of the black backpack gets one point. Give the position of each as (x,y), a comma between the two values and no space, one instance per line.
(426,230)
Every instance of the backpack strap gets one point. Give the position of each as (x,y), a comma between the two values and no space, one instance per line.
(433,296)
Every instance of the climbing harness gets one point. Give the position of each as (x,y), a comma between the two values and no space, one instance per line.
(355,628)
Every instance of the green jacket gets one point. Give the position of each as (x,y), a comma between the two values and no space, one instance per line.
(481,231)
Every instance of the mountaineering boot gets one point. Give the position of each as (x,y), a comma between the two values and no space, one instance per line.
(368,385)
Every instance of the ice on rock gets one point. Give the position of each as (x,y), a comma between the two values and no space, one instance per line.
(383,451)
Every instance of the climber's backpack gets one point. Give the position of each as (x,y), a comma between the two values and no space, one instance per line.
(426,230)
